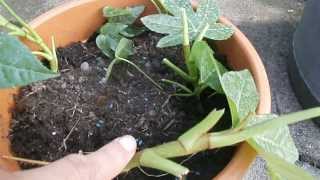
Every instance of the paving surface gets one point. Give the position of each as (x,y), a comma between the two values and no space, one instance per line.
(269,24)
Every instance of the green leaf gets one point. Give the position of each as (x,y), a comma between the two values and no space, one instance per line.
(170,40)
(125,16)
(276,141)
(241,92)
(174,6)
(162,23)
(103,45)
(125,48)
(208,10)
(110,12)
(280,169)
(218,31)
(207,13)
(112,28)
(18,66)
(202,57)
(132,31)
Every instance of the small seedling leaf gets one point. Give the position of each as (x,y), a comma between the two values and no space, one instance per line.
(104,46)
(125,16)
(124,49)
(174,6)
(241,92)
(18,67)
(132,31)
(218,31)
(276,141)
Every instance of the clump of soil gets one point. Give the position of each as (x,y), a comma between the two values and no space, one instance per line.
(80,111)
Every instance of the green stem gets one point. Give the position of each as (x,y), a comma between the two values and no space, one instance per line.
(189,138)
(31,35)
(186,41)
(178,71)
(227,139)
(152,160)
(141,71)
(202,33)
(109,69)
(183,87)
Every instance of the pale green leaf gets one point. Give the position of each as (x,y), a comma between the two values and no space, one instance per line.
(280,169)
(208,10)
(218,31)
(18,66)
(241,93)
(162,23)
(124,49)
(172,24)
(174,6)
(170,40)
(277,141)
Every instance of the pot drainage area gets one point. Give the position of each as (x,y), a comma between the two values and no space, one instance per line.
(269,25)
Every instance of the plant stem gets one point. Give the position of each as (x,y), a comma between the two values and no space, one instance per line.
(178,71)
(109,69)
(31,35)
(183,87)
(226,139)
(25,160)
(192,135)
(202,33)
(141,71)
(186,41)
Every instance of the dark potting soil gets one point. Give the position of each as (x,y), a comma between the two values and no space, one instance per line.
(80,112)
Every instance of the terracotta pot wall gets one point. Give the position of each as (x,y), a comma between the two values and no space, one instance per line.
(76,21)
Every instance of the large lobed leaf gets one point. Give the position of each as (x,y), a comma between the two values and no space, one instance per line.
(18,66)
(276,141)
(207,13)
(280,169)
(241,92)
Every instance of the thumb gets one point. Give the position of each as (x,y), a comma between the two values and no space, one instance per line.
(104,164)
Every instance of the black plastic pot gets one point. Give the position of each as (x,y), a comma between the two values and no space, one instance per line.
(304,69)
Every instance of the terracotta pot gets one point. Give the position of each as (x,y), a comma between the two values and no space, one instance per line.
(77,20)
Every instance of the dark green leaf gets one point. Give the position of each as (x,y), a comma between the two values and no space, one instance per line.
(110,12)
(241,93)
(133,31)
(276,141)
(125,16)
(112,28)
(125,48)
(18,67)
(104,46)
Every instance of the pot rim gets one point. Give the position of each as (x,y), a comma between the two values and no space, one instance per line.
(244,154)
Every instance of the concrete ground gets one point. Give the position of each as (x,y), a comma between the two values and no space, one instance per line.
(269,24)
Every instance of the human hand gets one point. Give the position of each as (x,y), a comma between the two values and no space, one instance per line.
(104,164)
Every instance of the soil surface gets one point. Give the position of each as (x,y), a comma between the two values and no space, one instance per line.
(80,112)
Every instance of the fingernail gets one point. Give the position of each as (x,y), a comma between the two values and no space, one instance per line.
(128,143)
